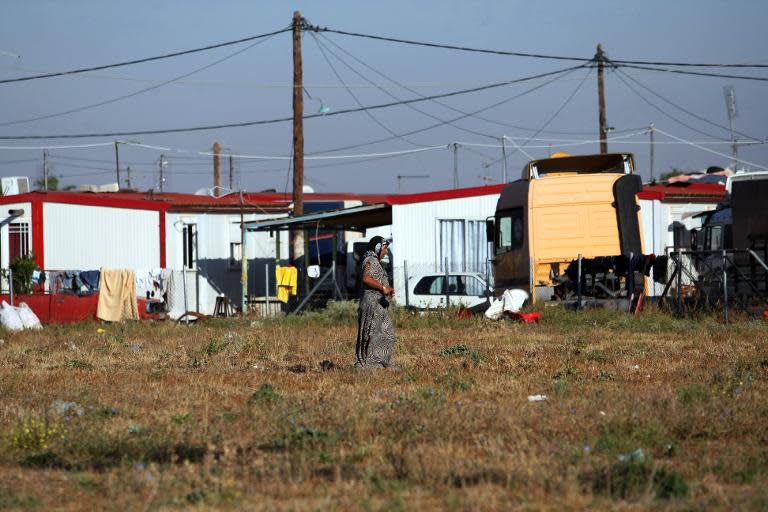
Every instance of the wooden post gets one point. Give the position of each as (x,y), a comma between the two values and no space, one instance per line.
(298,136)
(600,58)
(117,164)
(216,169)
(243,258)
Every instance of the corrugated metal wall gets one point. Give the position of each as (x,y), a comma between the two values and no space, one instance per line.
(79,237)
(415,230)
(416,235)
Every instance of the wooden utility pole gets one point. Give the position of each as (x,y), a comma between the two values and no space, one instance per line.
(600,58)
(231,173)
(45,170)
(216,169)
(243,258)
(163,163)
(298,136)
(117,164)
(455,165)
(651,130)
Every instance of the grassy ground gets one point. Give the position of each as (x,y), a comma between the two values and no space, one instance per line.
(642,413)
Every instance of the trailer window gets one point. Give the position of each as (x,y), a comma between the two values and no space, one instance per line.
(716,240)
(510,230)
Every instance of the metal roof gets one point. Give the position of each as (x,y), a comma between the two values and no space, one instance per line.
(358,218)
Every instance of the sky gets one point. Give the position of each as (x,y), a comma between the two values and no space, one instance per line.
(248,82)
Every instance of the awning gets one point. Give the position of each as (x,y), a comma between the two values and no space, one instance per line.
(358,218)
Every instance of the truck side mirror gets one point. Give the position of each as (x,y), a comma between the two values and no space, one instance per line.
(489,230)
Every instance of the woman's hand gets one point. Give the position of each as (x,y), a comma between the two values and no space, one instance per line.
(387,291)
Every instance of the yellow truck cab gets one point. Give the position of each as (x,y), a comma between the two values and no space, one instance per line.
(560,208)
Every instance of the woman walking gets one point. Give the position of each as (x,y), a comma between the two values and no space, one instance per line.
(375,332)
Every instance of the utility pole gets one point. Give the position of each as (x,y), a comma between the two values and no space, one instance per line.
(45,170)
(117,164)
(730,105)
(243,258)
(231,173)
(298,136)
(163,163)
(455,165)
(216,169)
(503,158)
(600,58)
(651,130)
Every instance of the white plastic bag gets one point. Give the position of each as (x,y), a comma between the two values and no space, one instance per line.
(495,310)
(28,317)
(9,317)
(514,300)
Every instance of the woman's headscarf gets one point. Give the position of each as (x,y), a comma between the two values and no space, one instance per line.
(375,245)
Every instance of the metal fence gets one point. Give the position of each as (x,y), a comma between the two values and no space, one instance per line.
(408,275)
(723,280)
(183,292)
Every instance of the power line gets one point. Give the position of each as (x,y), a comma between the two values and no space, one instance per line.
(286,119)
(530,55)
(355,98)
(551,118)
(23,161)
(696,73)
(468,114)
(730,157)
(446,105)
(420,111)
(675,105)
(450,47)
(141,91)
(664,112)
(547,123)
(146,59)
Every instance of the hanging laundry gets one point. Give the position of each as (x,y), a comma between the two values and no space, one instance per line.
(287,280)
(117,296)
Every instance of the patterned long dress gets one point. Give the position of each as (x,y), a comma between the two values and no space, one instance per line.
(375,331)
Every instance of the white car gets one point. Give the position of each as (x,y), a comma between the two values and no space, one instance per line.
(429,291)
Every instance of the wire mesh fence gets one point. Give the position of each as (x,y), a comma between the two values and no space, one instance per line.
(724,280)
(183,294)
(428,285)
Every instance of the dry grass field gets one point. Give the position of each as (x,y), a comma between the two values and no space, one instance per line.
(642,412)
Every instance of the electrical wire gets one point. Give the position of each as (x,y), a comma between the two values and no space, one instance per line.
(531,55)
(553,116)
(146,59)
(730,157)
(420,111)
(71,146)
(286,119)
(695,73)
(443,104)
(664,112)
(673,104)
(140,91)
(547,123)
(26,160)
(355,98)
(433,126)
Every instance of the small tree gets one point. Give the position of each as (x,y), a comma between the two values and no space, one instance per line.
(53,184)
(23,267)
